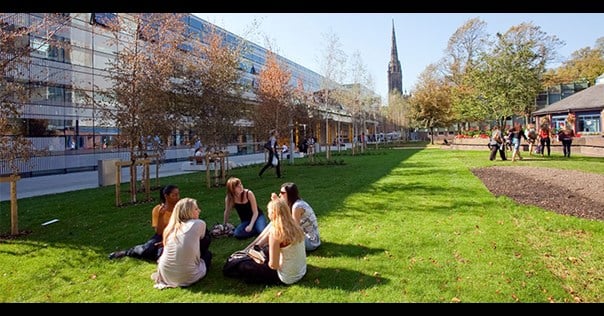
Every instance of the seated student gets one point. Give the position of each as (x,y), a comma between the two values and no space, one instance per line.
(243,200)
(160,216)
(302,213)
(186,256)
(286,262)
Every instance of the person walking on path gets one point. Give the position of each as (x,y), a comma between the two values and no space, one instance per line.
(271,146)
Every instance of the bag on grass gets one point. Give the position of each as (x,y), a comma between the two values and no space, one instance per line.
(242,261)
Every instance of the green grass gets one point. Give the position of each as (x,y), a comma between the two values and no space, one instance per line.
(398,225)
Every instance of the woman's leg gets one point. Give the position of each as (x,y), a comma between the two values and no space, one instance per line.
(240,232)
(204,249)
(260,224)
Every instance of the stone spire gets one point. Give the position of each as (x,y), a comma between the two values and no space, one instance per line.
(395,73)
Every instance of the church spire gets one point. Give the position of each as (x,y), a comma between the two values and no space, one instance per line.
(395,73)
(393,51)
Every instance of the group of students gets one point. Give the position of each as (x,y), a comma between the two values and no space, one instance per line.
(181,241)
(516,133)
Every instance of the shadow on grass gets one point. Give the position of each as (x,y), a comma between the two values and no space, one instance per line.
(316,277)
(329,249)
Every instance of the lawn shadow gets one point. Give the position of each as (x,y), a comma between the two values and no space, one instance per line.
(329,249)
(316,277)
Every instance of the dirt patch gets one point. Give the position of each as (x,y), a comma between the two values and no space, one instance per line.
(567,192)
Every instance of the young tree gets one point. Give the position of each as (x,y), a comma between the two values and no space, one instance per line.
(358,100)
(274,94)
(209,87)
(397,113)
(139,94)
(16,30)
(332,66)
(430,100)
(17,70)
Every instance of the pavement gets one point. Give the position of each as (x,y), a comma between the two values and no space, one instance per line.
(60,183)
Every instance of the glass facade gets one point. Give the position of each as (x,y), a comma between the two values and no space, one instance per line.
(64,77)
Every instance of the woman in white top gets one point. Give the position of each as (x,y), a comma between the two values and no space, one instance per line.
(302,213)
(185,257)
(286,262)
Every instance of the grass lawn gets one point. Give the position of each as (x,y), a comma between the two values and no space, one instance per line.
(397,225)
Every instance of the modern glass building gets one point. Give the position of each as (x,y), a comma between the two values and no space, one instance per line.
(64,75)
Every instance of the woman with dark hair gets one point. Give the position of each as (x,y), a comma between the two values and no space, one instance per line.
(160,216)
(302,213)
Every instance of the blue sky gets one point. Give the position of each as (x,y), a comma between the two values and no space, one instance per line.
(421,37)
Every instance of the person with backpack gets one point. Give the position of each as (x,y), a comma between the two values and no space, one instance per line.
(496,143)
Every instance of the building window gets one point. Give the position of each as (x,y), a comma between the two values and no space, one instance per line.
(588,123)
(104,19)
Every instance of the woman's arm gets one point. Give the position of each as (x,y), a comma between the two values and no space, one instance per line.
(227,209)
(252,198)
(274,252)
(297,214)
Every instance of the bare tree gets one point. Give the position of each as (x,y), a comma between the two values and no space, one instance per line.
(20,35)
(16,64)
(332,66)
(209,87)
(138,98)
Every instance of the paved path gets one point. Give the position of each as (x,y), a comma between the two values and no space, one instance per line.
(43,185)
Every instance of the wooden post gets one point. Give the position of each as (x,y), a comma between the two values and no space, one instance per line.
(118,182)
(14,218)
(208,178)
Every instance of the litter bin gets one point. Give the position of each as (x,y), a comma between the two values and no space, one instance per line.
(107,172)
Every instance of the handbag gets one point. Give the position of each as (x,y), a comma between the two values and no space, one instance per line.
(267,145)
(257,254)
(275,161)
(250,258)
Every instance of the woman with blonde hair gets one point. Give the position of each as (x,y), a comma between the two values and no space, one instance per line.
(186,257)
(286,262)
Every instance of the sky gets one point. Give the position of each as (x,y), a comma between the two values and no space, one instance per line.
(421,38)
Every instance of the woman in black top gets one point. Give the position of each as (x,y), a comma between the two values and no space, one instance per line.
(243,200)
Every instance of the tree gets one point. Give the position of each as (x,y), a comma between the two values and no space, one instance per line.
(16,30)
(463,50)
(430,100)
(332,66)
(209,88)
(509,77)
(274,97)
(397,113)
(17,70)
(138,98)
(358,100)
(585,64)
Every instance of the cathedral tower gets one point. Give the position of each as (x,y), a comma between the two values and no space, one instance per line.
(395,73)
